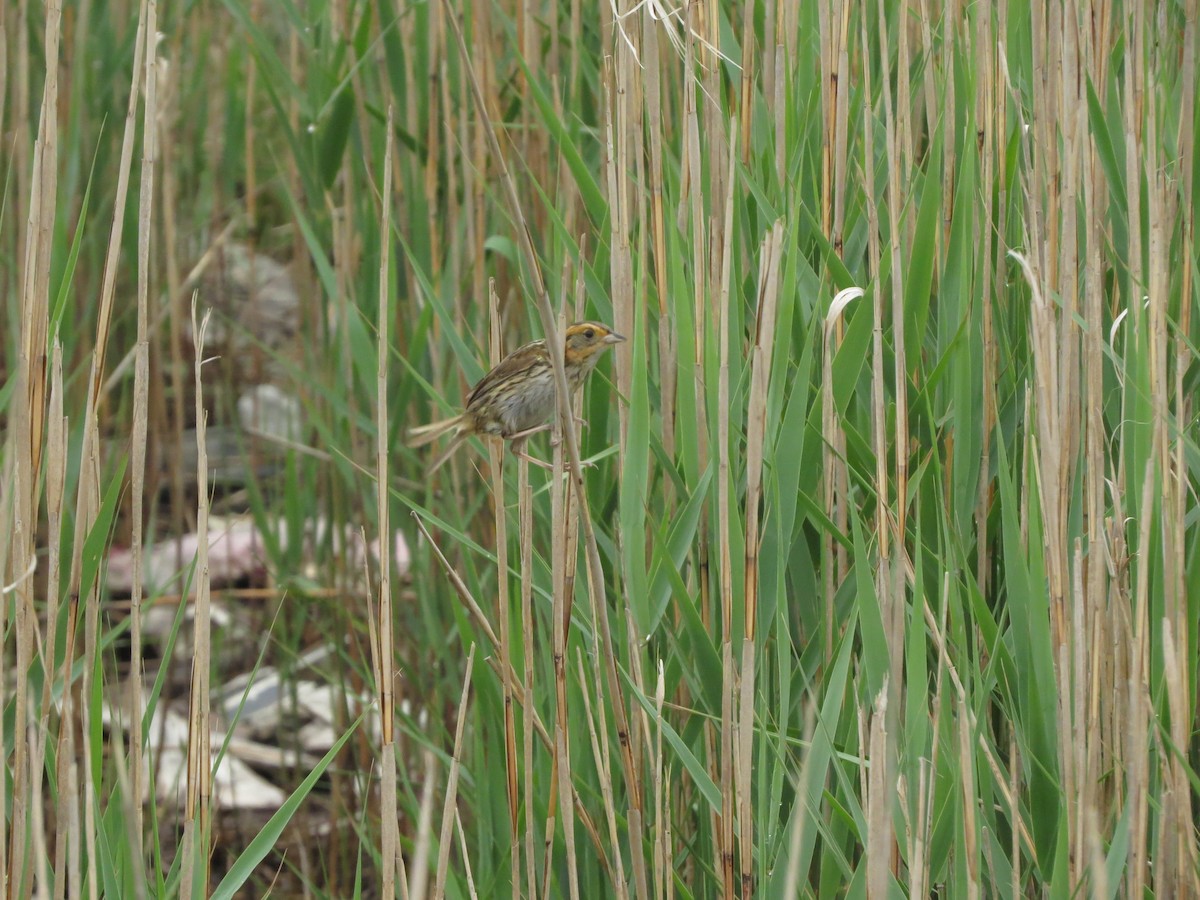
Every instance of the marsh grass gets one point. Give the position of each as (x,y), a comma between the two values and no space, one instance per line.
(885,579)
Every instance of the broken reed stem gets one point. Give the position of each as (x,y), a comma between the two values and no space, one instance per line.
(389,822)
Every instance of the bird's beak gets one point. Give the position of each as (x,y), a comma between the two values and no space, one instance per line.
(613,338)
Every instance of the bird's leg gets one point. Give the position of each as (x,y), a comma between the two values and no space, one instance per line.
(518,450)
(580,419)
(521,436)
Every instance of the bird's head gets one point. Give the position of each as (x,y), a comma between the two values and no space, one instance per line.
(587,340)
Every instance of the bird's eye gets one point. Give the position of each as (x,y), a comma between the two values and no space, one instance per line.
(589,334)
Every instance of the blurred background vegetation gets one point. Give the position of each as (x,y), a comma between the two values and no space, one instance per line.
(890,596)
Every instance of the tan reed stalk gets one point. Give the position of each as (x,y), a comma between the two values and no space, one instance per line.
(1098,686)
(525,534)
(1139,708)
(564,550)
(716,132)
(88,498)
(567,432)
(1014,775)
(75,842)
(418,877)
(1167,872)
(838,115)
(756,427)
(38,831)
(196,845)
(667,323)
(905,108)
(621,79)
(662,846)
(21,94)
(891,523)
(953,33)
(170,440)
(784,37)
(918,834)
(462,844)
(250,167)
(30,427)
(692,208)
(724,863)
(434,151)
(478,175)
(745,79)
(8,512)
(450,805)
(988,132)
(1188,863)
(452,160)
(600,757)
(827,14)
(504,607)
(892,606)
(56,473)
(385,676)
(936,706)
(970,826)
(140,421)
(1008,793)
(878,791)
(485,626)
(1073,648)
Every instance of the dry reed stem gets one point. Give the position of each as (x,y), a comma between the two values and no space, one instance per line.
(140,421)
(195,846)
(971,837)
(7,513)
(725,850)
(879,790)
(450,805)
(667,323)
(462,844)
(503,606)
(661,856)
(518,695)
(525,535)
(56,472)
(88,497)
(600,757)
(418,877)
(390,826)
(30,424)
(1008,794)
(756,425)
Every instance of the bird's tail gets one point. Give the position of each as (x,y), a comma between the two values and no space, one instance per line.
(427,434)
